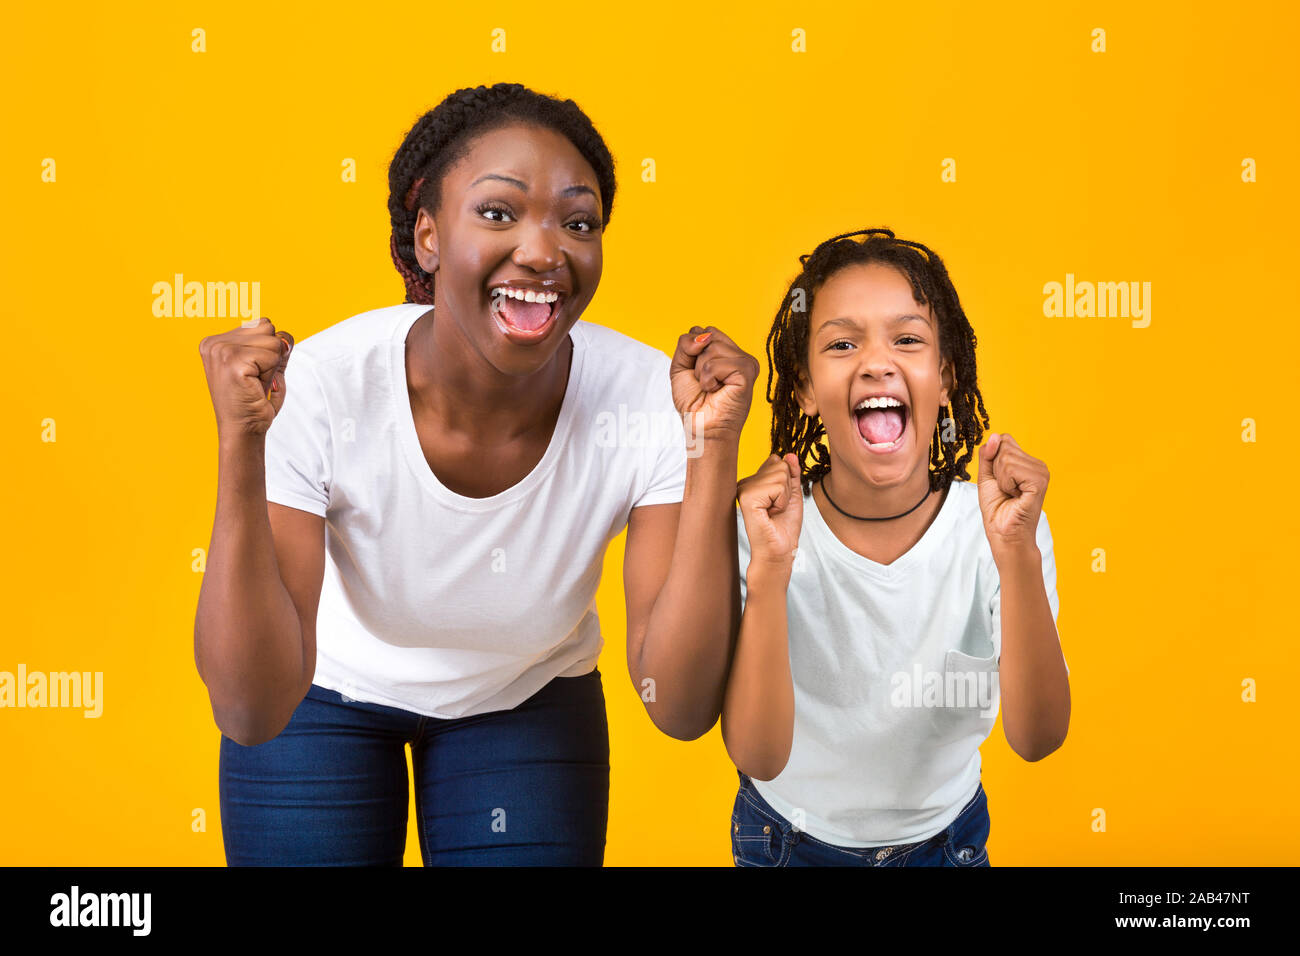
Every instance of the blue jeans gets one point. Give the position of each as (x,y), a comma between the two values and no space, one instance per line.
(527,786)
(762,837)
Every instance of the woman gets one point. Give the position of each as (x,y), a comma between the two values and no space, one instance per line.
(410,554)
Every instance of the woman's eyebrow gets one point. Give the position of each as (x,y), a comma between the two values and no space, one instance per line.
(523,187)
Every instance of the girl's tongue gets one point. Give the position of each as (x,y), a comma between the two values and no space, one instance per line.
(881,425)
(529,316)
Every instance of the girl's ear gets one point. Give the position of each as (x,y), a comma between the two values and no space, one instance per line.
(426,241)
(804,393)
(948,382)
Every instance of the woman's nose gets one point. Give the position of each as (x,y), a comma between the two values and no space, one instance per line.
(539,249)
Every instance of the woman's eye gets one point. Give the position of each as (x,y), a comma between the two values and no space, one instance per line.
(589,223)
(487,207)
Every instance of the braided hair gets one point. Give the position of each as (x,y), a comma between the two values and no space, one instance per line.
(444,135)
(787,354)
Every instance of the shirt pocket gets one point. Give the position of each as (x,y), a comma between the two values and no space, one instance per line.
(970,692)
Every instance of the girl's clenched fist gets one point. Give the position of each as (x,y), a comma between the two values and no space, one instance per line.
(771,505)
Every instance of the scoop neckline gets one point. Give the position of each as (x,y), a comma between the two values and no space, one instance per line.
(410,439)
(937,529)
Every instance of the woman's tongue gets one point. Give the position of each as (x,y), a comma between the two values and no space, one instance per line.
(529,316)
(881,425)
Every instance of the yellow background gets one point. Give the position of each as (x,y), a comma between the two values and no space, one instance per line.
(1115,166)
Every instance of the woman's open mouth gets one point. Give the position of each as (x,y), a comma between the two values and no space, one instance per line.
(882,423)
(525,316)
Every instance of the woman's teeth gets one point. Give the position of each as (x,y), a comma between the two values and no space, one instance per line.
(526,295)
(527,311)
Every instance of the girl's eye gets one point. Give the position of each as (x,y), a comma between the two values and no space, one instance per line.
(482,208)
(591,224)
(905,340)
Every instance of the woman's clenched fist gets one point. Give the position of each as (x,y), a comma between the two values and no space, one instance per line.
(245,372)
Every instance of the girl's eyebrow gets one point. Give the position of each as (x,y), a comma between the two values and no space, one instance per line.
(853,323)
(568,191)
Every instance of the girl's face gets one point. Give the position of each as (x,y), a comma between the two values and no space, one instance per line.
(867,337)
(521,210)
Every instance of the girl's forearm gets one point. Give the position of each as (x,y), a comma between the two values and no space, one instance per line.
(1034,686)
(758,709)
(692,627)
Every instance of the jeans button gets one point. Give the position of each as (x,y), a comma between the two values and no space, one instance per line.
(965,853)
(767,829)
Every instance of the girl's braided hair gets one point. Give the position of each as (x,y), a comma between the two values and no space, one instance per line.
(444,135)
(954,442)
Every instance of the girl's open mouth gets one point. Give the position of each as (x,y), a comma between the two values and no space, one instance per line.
(525,317)
(882,423)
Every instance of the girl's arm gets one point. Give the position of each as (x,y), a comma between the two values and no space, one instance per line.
(758,709)
(680,569)
(1032,679)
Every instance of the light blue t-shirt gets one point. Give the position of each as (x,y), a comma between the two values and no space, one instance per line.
(895,676)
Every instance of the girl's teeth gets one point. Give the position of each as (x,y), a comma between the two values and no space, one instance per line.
(882,402)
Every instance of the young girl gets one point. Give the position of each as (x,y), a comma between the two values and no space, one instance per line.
(413,512)
(886,597)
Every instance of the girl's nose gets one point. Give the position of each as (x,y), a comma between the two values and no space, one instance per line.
(875,361)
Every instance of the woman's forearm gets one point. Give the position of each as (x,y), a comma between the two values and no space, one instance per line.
(758,710)
(692,627)
(248,642)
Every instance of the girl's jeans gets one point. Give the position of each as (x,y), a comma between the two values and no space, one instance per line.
(762,837)
(528,786)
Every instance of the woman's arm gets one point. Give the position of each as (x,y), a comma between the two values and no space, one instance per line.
(683,597)
(1032,680)
(680,570)
(255,625)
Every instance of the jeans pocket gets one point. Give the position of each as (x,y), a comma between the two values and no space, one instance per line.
(755,839)
(968,836)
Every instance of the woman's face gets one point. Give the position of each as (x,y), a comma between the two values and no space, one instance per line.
(869,338)
(520,210)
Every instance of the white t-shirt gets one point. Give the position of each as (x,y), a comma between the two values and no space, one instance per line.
(894,669)
(445,605)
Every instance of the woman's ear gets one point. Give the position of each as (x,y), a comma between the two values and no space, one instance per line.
(426,241)
(804,393)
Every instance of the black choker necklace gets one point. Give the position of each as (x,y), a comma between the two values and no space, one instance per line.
(859,517)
